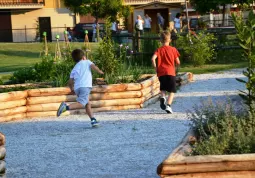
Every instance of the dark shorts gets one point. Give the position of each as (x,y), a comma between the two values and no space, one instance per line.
(168,83)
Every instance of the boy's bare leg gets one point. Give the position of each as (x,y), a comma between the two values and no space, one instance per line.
(89,110)
(170,98)
(162,93)
(75,106)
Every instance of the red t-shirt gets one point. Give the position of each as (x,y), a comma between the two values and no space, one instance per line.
(167,56)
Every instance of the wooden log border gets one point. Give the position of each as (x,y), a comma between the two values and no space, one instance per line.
(44,102)
(178,165)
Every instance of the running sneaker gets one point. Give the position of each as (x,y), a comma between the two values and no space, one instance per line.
(163,103)
(94,123)
(61,109)
(169,109)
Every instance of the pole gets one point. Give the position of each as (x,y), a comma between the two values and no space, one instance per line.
(187,13)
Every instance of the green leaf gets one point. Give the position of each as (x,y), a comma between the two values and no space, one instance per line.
(243,46)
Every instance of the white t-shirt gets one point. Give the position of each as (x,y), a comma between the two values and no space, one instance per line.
(177,23)
(147,22)
(81,74)
(114,26)
(139,24)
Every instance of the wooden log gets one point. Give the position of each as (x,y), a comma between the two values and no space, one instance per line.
(153,93)
(10,96)
(234,174)
(51,99)
(49,91)
(116,88)
(12,104)
(43,107)
(2,139)
(150,89)
(13,111)
(2,166)
(208,167)
(93,97)
(208,159)
(149,82)
(115,95)
(116,102)
(13,117)
(2,152)
(81,111)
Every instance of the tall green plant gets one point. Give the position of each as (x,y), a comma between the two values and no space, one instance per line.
(198,48)
(246,35)
(105,56)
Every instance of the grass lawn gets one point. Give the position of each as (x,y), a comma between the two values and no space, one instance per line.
(14,56)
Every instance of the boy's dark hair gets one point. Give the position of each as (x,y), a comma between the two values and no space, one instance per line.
(77,55)
(165,36)
(178,15)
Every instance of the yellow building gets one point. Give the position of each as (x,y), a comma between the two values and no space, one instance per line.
(26,20)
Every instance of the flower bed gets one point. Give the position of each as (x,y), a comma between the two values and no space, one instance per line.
(44,102)
(178,165)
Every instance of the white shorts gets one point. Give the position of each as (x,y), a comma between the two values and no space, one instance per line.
(83,95)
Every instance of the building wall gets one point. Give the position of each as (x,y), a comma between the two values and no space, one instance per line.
(60,18)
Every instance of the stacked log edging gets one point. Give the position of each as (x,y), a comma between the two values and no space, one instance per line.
(178,165)
(13,106)
(44,102)
(2,156)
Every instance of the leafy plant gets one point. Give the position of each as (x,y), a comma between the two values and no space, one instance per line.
(220,129)
(198,48)
(246,34)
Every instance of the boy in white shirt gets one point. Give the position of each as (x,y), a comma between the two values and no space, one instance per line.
(80,83)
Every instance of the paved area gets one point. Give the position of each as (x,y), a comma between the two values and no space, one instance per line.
(129,144)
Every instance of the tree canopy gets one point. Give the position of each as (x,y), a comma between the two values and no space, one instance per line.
(98,8)
(205,6)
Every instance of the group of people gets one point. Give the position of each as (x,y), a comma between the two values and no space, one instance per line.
(144,24)
(80,81)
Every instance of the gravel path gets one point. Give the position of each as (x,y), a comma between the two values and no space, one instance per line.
(129,144)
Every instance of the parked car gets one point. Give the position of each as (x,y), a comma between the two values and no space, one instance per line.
(79,31)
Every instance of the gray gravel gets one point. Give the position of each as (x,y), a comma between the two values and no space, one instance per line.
(129,144)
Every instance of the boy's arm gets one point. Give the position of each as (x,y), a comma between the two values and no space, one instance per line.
(153,60)
(71,84)
(95,68)
(177,61)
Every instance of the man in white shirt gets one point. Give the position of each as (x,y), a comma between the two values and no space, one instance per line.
(80,83)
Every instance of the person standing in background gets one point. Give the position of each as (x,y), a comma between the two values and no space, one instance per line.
(139,24)
(177,22)
(147,23)
(95,26)
(114,28)
(161,21)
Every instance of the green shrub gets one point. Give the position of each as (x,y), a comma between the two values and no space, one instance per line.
(220,129)
(23,75)
(198,48)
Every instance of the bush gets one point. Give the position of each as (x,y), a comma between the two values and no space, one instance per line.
(198,48)
(220,129)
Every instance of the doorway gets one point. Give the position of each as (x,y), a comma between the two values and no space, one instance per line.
(5,27)
(45,26)
(153,15)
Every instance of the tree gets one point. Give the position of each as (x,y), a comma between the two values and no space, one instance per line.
(97,8)
(206,6)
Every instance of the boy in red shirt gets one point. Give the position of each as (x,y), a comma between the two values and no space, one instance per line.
(168,57)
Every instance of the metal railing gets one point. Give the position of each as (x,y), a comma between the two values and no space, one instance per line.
(20,2)
(138,2)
